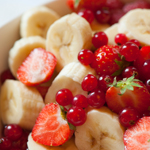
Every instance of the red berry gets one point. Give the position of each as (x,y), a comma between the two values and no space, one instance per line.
(104,81)
(121,39)
(130,71)
(147,83)
(13,132)
(5,143)
(130,51)
(76,116)
(80,100)
(96,98)
(146,69)
(64,97)
(135,42)
(128,117)
(6,74)
(102,15)
(87,14)
(14,148)
(89,82)
(85,56)
(114,4)
(99,39)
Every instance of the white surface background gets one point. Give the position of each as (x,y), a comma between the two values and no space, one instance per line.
(10,9)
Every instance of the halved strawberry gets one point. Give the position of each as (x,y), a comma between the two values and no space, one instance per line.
(51,128)
(138,136)
(128,92)
(37,68)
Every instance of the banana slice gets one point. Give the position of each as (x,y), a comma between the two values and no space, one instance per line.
(20,104)
(32,145)
(70,77)
(111,32)
(21,50)
(66,37)
(37,21)
(136,25)
(101,131)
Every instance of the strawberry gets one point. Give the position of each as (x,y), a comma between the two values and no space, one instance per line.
(37,68)
(107,61)
(138,63)
(137,137)
(51,128)
(86,4)
(128,92)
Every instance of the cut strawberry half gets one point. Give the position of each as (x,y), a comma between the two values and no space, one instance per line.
(37,68)
(51,128)
(138,137)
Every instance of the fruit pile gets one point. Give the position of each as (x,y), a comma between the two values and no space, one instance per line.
(66,84)
(105,11)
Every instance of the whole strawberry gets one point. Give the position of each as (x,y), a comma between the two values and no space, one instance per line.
(108,61)
(128,92)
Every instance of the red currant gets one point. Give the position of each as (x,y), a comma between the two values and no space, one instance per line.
(85,56)
(89,82)
(135,42)
(80,100)
(87,14)
(64,97)
(130,51)
(146,69)
(102,15)
(96,98)
(130,71)
(121,39)
(13,132)
(76,116)
(128,117)
(114,4)
(104,81)
(99,39)
(147,83)
(5,143)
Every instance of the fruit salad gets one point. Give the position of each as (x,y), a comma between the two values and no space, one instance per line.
(80,81)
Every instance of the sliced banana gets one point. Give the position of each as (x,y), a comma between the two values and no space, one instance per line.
(136,25)
(20,104)
(101,131)
(37,21)
(70,77)
(66,37)
(21,50)
(32,145)
(111,32)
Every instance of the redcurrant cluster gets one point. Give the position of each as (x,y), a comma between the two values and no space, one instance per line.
(15,138)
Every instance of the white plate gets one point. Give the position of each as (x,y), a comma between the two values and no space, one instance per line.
(9,33)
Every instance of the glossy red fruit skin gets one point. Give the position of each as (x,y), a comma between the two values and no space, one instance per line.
(130,71)
(64,97)
(139,99)
(85,57)
(135,42)
(76,116)
(89,82)
(130,51)
(80,101)
(128,117)
(99,39)
(87,14)
(138,63)
(146,69)
(105,60)
(121,39)
(96,98)
(102,15)
(5,143)
(13,132)
(147,83)
(114,4)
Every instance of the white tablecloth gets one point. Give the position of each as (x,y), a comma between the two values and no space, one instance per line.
(10,9)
